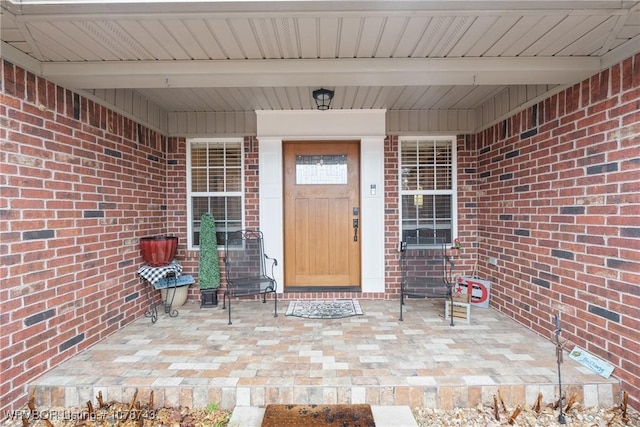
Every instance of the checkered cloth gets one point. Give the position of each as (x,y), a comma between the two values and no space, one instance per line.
(154,274)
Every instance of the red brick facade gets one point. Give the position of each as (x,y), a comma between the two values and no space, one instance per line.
(559,208)
(553,193)
(177,215)
(467,208)
(80,185)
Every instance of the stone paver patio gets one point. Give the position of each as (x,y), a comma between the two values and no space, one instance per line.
(196,358)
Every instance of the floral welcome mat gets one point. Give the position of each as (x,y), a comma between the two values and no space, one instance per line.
(318,416)
(324,309)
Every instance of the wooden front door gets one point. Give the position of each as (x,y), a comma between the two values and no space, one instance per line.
(321,206)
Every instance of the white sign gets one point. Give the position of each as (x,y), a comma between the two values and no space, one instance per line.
(478,290)
(597,365)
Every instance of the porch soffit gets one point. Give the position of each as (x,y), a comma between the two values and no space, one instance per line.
(185,59)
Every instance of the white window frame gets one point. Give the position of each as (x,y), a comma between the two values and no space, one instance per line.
(454,181)
(191,194)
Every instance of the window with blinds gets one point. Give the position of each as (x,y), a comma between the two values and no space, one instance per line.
(427,190)
(215,185)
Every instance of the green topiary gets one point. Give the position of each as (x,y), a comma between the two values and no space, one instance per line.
(208,267)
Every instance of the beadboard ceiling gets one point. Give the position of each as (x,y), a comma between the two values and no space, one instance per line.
(239,56)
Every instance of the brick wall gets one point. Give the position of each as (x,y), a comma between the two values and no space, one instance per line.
(177,215)
(467,211)
(559,208)
(391,218)
(80,185)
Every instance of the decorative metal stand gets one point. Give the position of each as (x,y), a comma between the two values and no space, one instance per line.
(170,277)
(171,289)
(152,312)
(448,279)
(561,418)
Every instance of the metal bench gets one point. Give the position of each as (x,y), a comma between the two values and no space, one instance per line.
(426,271)
(246,267)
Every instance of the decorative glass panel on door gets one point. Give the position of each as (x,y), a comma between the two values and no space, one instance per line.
(321,169)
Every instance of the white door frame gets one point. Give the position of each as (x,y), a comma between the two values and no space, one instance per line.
(367,126)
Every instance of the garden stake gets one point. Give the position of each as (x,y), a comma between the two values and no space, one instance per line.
(561,418)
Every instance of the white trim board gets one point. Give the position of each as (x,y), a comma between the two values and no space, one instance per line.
(367,126)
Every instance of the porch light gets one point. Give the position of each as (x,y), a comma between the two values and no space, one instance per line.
(323,98)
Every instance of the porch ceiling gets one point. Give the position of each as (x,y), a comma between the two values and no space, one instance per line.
(233,56)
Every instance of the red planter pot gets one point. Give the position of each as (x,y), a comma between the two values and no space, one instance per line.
(158,251)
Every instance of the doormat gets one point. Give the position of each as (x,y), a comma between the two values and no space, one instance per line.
(324,309)
(318,416)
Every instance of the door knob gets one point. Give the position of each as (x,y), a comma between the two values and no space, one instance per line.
(355,230)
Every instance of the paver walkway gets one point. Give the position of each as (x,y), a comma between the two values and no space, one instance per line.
(196,358)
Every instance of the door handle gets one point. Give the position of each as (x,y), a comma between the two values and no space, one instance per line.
(355,230)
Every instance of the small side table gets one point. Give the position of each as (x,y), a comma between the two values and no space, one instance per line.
(167,277)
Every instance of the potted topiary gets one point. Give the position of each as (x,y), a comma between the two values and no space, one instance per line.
(208,266)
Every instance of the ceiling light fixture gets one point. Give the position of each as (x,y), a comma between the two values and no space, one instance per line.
(323,98)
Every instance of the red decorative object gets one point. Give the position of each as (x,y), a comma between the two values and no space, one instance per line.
(456,244)
(158,251)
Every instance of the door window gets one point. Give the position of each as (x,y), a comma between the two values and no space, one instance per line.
(321,169)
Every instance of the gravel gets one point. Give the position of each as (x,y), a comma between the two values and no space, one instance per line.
(484,416)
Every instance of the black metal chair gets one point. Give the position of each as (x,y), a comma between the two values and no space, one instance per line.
(427,271)
(246,268)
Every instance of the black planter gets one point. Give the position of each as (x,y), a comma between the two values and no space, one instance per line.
(208,298)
